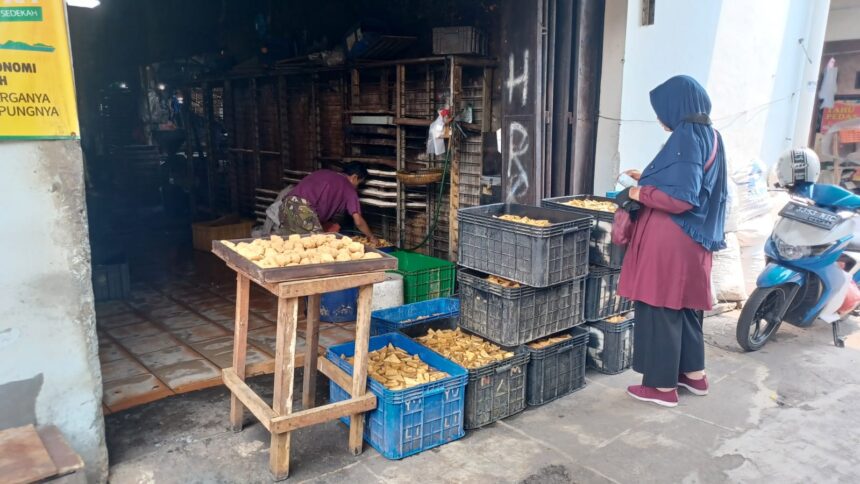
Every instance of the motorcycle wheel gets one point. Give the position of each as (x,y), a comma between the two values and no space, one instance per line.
(761,317)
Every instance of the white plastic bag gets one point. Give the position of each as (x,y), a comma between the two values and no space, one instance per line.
(435,141)
(751,181)
(727,273)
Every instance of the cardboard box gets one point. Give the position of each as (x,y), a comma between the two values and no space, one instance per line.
(224,228)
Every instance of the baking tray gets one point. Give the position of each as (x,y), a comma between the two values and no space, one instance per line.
(309,271)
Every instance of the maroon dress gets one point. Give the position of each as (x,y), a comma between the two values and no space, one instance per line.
(664,267)
(328,193)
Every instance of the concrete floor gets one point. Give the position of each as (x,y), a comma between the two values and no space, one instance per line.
(788,413)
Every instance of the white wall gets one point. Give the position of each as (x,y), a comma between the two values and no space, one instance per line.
(48,342)
(844,20)
(607,154)
(745,53)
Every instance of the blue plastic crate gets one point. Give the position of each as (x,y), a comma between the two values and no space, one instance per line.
(339,306)
(401,317)
(409,421)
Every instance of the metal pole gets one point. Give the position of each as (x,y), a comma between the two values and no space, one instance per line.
(589,49)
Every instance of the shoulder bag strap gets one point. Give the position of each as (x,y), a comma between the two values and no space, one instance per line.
(713,152)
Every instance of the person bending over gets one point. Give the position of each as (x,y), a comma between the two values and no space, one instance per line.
(320,197)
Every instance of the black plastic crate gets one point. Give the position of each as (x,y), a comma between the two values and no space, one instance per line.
(111,281)
(601,295)
(513,316)
(556,370)
(602,252)
(494,391)
(610,346)
(534,256)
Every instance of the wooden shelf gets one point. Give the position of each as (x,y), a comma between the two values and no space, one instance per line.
(380,112)
(413,122)
(374,112)
(374,142)
(390,162)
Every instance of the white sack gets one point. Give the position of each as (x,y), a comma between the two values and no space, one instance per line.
(754,232)
(779,198)
(752,235)
(732,206)
(727,273)
(753,261)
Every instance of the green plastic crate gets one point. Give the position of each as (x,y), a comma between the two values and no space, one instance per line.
(424,277)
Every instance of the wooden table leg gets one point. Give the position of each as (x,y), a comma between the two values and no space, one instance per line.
(240,346)
(285,353)
(312,340)
(359,374)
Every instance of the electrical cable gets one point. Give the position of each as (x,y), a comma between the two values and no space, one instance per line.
(439,198)
(441,183)
(722,118)
(437,209)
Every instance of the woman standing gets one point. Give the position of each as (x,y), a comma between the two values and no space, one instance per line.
(667,267)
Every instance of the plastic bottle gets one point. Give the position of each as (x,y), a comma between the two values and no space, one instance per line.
(626,180)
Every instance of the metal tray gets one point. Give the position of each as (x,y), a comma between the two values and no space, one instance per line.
(309,271)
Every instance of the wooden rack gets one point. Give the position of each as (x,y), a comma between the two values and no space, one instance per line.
(279,123)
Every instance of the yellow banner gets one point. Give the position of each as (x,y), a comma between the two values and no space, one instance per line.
(37,89)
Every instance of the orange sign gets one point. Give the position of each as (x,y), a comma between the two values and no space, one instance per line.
(841,111)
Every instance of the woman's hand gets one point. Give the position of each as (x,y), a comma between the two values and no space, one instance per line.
(634,174)
(634,193)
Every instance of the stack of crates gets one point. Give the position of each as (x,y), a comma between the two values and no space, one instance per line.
(412,420)
(611,340)
(558,369)
(493,391)
(610,344)
(548,266)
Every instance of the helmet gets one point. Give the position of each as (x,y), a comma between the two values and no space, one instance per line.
(797,165)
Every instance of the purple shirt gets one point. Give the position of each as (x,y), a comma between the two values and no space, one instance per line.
(328,193)
(664,267)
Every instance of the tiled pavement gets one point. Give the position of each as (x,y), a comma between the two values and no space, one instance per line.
(786,414)
(174,333)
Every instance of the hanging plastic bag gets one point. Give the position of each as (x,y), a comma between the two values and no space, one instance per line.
(435,139)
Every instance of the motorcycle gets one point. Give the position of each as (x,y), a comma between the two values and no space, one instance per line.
(812,259)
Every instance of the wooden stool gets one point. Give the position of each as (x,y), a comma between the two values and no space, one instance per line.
(279,419)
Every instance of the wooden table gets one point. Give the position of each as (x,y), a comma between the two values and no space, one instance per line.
(279,418)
